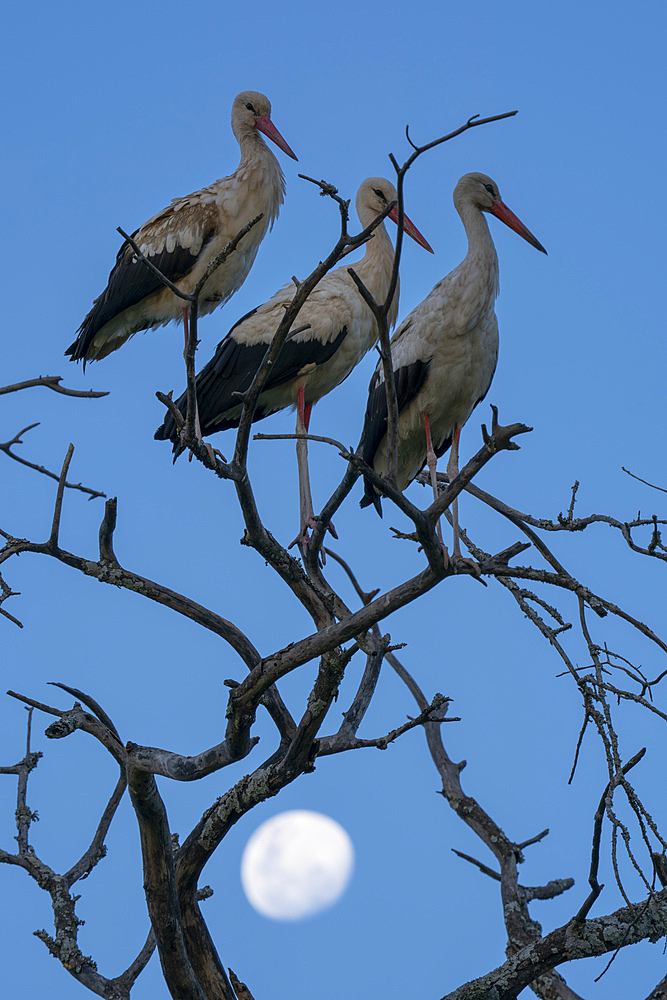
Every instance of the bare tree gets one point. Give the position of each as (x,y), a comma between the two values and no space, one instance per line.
(566,612)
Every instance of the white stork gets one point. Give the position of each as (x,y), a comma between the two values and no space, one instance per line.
(311,363)
(444,353)
(183,238)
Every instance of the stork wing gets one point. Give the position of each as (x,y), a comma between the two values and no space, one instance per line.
(408,380)
(239,356)
(234,367)
(172,241)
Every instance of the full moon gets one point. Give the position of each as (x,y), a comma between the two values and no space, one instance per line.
(296,864)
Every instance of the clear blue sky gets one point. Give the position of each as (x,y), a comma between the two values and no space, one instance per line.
(109,113)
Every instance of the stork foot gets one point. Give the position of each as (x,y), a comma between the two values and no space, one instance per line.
(302,538)
(212,452)
(461,565)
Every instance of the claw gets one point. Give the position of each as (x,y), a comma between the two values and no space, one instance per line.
(303,537)
(213,452)
(461,565)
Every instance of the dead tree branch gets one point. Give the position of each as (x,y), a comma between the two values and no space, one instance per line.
(6,446)
(341,635)
(51,382)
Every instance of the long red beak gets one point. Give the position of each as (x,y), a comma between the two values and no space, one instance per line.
(502,212)
(265,125)
(410,228)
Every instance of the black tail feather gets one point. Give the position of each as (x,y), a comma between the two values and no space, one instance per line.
(371,496)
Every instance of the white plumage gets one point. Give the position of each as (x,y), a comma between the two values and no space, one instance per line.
(444,352)
(341,330)
(183,238)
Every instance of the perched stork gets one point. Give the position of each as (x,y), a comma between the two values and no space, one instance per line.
(183,238)
(341,329)
(444,353)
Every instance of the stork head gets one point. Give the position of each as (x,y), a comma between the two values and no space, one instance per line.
(252,110)
(482,192)
(375,194)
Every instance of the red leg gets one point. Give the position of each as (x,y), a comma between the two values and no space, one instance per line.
(300,405)
(306,516)
(452,473)
(186,318)
(432,462)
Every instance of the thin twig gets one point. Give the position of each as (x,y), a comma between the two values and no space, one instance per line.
(7,446)
(596,888)
(107,528)
(55,527)
(644,481)
(52,382)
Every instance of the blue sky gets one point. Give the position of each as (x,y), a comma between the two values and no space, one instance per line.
(111,112)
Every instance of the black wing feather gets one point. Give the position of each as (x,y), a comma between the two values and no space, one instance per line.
(130,282)
(232,369)
(408,381)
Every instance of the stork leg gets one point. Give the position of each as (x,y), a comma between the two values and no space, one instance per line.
(306,515)
(452,473)
(212,452)
(432,462)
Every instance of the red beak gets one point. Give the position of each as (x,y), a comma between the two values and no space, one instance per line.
(265,125)
(502,212)
(410,228)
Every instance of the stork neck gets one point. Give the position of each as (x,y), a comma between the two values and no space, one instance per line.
(379,249)
(376,265)
(480,244)
(260,179)
(253,147)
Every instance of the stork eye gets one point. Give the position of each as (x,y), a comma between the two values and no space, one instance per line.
(380,194)
(250,108)
(489,188)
